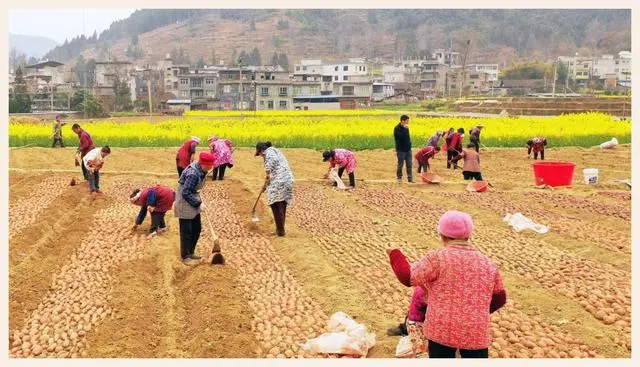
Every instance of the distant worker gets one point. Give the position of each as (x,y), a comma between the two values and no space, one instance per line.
(86,145)
(344,159)
(186,154)
(403,148)
(423,156)
(57,132)
(94,160)
(536,144)
(471,167)
(454,145)
(222,150)
(157,200)
(435,139)
(474,136)
(446,136)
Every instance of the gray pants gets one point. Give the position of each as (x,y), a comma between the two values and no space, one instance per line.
(405,157)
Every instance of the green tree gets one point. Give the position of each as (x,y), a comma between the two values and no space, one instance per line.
(123,95)
(255,57)
(19,101)
(283,61)
(274,59)
(200,63)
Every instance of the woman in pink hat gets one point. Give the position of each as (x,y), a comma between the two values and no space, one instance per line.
(463,287)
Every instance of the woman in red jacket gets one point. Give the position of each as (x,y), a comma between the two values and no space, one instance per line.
(464,287)
(158,200)
(186,154)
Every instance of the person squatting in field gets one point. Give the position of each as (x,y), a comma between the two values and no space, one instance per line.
(86,145)
(463,288)
(414,322)
(345,160)
(278,183)
(186,154)
(157,200)
(94,160)
(471,166)
(188,205)
(222,150)
(423,156)
(536,144)
(454,145)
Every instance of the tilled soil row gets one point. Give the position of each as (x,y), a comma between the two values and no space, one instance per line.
(352,241)
(572,201)
(601,289)
(568,225)
(615,194)
(79,293)
(284,315)
(26,211)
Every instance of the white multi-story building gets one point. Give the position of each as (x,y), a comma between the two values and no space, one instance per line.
(393,73)
(604,65)
(342,71)
(623,67)
(492,70)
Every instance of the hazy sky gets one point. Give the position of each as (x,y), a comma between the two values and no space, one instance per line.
(59,24)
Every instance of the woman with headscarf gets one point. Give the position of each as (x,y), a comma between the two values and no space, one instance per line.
(345,160)
(222,149)
(435,139)
(278,182)
(464,287)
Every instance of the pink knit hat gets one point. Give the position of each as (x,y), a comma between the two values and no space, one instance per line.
(455,224)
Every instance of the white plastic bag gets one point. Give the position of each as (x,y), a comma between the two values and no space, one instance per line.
(345,336)
(334,176)
(609,144)
(404,348)
(519,223)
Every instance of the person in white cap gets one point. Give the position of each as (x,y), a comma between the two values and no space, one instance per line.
(186,154)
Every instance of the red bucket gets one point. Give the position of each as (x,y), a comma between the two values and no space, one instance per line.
(553,173)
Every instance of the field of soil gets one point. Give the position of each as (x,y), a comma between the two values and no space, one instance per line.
(82,285)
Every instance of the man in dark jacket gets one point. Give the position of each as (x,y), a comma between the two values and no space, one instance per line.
(189,204)
(86,145)
(403,147)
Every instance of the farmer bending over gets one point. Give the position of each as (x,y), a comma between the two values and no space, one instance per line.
(94,160)
(86,144)
(471,167)
(464,287)
(423,156)
(474,136)
(344,159)
(186,154)
(222,150)
(536,144)
(278,183)
(158,200)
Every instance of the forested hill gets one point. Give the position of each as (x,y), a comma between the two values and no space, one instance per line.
(203,36)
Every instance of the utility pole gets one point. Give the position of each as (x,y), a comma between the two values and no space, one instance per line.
(464,65)
(240,91)
(149,90)
(255,98)
(51,94)
(555,71)
(69,99)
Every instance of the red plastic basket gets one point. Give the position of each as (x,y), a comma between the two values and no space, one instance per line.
(477,186)
(553,173)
